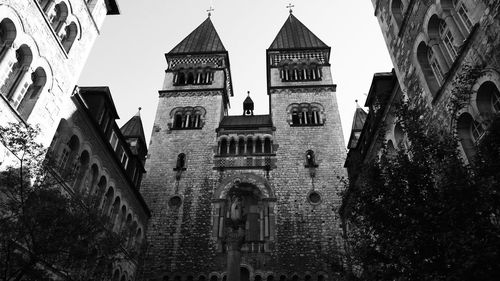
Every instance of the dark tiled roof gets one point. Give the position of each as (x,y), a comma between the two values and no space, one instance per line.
(133,128)
(204,39)
(295,35)
(252,121)
(357,126)
(359,119)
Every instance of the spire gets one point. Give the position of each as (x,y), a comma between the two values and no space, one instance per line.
(248,105)
(295,35)
(204,39)
(133,128)
(357,125)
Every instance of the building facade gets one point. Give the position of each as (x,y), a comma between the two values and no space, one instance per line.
(94,156)
(274,177)
(444,51)
(44,45)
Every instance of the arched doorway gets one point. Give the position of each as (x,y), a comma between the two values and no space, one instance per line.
(244,274)
(253,199)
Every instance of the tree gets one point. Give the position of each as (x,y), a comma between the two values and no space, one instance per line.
(424,214)
(47,230)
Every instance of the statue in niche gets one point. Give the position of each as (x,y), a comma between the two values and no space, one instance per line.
(236,208)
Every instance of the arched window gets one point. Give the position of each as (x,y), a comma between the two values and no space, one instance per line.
(310,159)
(214,278)
(101,186)
(488,99)
(190,78)
(116,275)
(115,210)
(80,168)
(58,16)
(258,146)
(181,78)
(178,120)
(232,147)
(431,70)
(468,133)
(16,84)
(33,92)
(250,146)
(106,202)
(463,14)
(181,161)
(241,146)
(397,12)
(68,36)
(8,34)
(68,154)
(447,38)
(295,116)
(223,147)
(267,145)
(270,278)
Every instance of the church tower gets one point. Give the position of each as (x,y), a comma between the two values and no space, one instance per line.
(310,153)
(179,180)
(245,197)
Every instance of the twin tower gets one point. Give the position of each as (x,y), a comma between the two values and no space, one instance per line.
(261,191)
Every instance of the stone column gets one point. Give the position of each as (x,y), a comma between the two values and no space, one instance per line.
(234,240)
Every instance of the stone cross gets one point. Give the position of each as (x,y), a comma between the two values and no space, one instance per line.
(210,11)
(290,6)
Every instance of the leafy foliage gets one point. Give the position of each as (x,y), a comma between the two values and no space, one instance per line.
(424,214)
(45,229)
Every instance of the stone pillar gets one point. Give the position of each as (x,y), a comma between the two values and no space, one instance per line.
(234,240)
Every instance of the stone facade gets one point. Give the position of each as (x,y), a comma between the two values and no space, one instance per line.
(43,47)
(285,172)
(85,135)
(442,50)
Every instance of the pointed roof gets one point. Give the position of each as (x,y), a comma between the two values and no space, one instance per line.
(134,128)
(357,126)
(295,35)
(204,39)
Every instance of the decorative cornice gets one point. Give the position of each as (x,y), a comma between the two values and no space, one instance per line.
(294,89)
(176,94)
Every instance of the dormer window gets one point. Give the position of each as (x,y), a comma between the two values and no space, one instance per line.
(193,76)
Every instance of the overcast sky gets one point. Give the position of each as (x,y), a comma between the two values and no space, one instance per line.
(129,54)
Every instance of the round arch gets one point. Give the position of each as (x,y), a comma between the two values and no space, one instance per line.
(260,182)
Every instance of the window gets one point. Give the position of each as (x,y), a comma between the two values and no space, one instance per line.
(477,130)
(192,76)
(496,100)
(305,71)
(113,140)
(436,68)
(305,114)
(124,159)
(463,14)
(187,117)
(447,37)
(310,159)
(63,160)
(181,162)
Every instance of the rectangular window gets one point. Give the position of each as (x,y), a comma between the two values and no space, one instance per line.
(448,42)
(113,140)
(463,14)
(124,159)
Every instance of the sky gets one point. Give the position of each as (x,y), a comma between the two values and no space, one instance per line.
(129,53)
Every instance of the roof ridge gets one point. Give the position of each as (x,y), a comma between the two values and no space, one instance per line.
(203,39)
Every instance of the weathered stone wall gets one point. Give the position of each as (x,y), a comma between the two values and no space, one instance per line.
(179,237)
(308,236)
(479,50)
(63,69)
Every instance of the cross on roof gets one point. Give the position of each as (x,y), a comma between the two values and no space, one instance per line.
(290,6)
(210,11)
